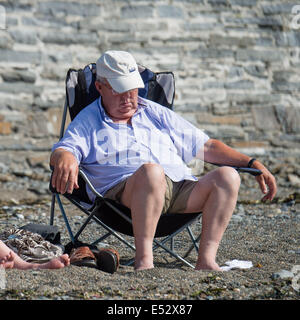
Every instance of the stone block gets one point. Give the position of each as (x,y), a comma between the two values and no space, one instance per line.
(250,144)
(287,39)
(20,87)
(258,71)
(137,12)
(15,75)
(260,55)
(6,41)
(57,8)
(20,56)
(265,119)
(38,125)
(45,21)
(52,73)
(212,53)
(26,37)
(5,128)
(243,41)
(54,117)
(264,42)
(235,72)
(274,9)
(255,98)
(224,132)
(286,75)
(218,2)
(241,84)
(222,120)
(243,3)
(168,11)
(286,86)
(16,6)
(38,160)
(97,24)
(12,104)
(70,38)
(267,22)
(289,118)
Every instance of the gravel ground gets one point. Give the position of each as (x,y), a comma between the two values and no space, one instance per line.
(265,234)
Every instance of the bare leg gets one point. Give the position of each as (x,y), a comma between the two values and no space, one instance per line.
(144,195)
(215,195)
(9,259)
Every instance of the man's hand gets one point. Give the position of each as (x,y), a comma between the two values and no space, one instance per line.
(65,173)
(266,181)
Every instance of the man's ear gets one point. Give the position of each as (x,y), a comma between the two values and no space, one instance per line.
(98,86)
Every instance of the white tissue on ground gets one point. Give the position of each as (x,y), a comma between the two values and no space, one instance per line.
(237,264)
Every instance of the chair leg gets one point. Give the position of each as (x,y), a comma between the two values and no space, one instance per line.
(52,210)
(172,243)
(172,253)
(84,225)
(194,245)
(65,218)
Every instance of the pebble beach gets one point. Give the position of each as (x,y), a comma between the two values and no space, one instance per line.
(267,235)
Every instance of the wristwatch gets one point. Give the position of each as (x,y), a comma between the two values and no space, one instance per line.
(251,162)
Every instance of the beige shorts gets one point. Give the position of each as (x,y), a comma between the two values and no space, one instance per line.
(176,195)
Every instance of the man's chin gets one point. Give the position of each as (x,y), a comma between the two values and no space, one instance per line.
(126,109)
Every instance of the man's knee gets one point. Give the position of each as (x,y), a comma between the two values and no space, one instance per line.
(229,178)
(151,174)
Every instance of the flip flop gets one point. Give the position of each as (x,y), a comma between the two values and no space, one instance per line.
(83,257)
(108,260)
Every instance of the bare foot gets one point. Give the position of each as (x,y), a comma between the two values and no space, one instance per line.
(208,266)
(56,263)
(9,259)
(144,262)
(14,261)
(140,265)
(143,268)
(7,262)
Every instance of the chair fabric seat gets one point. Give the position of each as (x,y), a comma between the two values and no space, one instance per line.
(168,222)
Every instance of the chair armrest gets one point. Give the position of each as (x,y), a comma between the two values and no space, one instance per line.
(88,182)
(84,177)
(252,171)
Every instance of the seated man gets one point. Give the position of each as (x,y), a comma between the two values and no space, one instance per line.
(135,151)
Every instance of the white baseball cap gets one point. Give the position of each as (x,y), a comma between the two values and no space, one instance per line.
(120,70)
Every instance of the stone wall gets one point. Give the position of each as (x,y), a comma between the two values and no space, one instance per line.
(236,64)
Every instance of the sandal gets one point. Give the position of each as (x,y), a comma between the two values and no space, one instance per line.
(83,257)
(108,260)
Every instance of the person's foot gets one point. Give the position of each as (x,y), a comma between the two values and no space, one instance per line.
(208,266)
(56,263)
(12,260)
(143,265)
(144,261)
(7,262)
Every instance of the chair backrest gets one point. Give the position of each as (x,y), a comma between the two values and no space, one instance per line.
(81,90)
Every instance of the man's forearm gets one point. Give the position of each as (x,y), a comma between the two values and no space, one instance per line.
(217,152)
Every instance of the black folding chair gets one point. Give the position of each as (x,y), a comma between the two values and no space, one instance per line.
(112,216)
